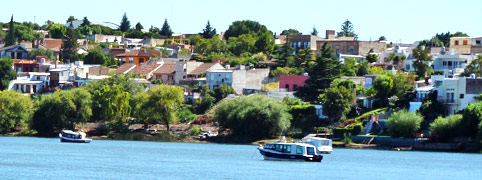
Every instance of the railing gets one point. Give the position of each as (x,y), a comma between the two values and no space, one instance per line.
(448,101)
(441,67)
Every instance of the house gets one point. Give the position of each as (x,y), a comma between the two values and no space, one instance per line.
(299,41)
(145,71)
(137,57)
(453,63)
(290,83)
(125,68)
(466,45)
(166,73)
(350,46)
(29,66)
(239,79)
(34,83)
(421,93)
(457,93)
(14,52)
(47,43)
(59,77)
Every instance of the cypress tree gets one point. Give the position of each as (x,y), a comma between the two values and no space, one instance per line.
(166,29)
(125,24)
(10,39)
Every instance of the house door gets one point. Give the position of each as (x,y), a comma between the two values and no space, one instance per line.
(34,88)
(27,89)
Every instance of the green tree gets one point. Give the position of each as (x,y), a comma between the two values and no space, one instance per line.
(290,32)
(445,128)
(125,24)
(347,30)
(213,45)
(472,116)
(57,31)
(161,104)
(475,67)
(166,29)
(112,104)
(304,58)
(10,39)
(238,28)
(85,22)
(41,52)
(286,55)
(336,99)
(372,58)
(69,48)
(404,124)
(139,26)
(208,32)
(421,68)
(61,110)
(348,68)
(16,110)
(362,68)
(265,43)
(222,91)
(71,19)
(204,103)
(322,73)
(6,72)
(314,32)
(241,44)
(253,116)
(382,38)
(430,110)
(95,56)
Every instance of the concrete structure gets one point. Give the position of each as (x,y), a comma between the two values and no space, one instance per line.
(32,84)
(14,52)
(183,68)
(451,65)
(353,47)
(290,83)
(466,45)
(239,79)
(303,41)
(457,93)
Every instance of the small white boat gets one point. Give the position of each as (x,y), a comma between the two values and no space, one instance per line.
(323,145)
(74,137)
(290,151)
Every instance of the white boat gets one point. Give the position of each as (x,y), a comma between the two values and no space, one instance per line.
(74,137)
(323,145)
(290,151)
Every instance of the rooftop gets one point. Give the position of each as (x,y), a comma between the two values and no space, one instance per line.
(166,69)
(140,52)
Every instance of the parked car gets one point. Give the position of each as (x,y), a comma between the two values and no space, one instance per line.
(206,134)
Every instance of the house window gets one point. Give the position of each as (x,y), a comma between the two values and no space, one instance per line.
(309,44)
(19,55)
(456,42)
(407,67)
(287,87)
(304,45)
(123,60)
(131,60)
(337,51)
(12,55)
(461,96)
(477,42)
(465,42)
(352,51)
(444,63)
(38,78)
(299,44)
(141,60)
(295,87)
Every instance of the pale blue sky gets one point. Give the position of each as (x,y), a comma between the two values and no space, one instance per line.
(407,20)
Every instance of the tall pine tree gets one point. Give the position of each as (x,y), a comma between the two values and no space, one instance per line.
(139,26)
(315,32)
(166,29)
(70,45)
(125,24)
(10,39)
(347,30)
(208,32)
(326,69)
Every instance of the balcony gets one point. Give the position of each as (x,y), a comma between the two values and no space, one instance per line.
(448,100)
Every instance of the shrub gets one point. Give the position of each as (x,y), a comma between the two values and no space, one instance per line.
(253,116)
(444,128)
(194,131)
(471,118)
(404,124)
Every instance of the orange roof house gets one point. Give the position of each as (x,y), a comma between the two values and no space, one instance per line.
(137,56)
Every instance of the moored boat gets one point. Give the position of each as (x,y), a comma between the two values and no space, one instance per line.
(323,145)
(290,151)
(74,137)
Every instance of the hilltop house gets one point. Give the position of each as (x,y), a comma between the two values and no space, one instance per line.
(14,52)
(137,57)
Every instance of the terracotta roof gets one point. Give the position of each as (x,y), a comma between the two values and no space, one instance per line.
(201,69)
(140,52)
(116,51)
(144,70)
(98,70)
(53,44)
(123,68)
(166,69)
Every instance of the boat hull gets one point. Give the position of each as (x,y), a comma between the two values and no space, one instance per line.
(268,155)
(70,140)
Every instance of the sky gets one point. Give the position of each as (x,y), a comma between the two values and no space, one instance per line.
(408,20)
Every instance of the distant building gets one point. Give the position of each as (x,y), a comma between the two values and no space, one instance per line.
(290,83)
(350,46)
(239,79)
(14,52)
(466,45)
(303,41)
(137,57)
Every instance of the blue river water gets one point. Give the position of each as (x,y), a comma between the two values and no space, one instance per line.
(48,158)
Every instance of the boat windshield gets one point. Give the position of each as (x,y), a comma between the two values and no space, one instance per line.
(285,148)
(310,150)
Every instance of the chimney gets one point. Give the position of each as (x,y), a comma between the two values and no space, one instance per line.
(330,34)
